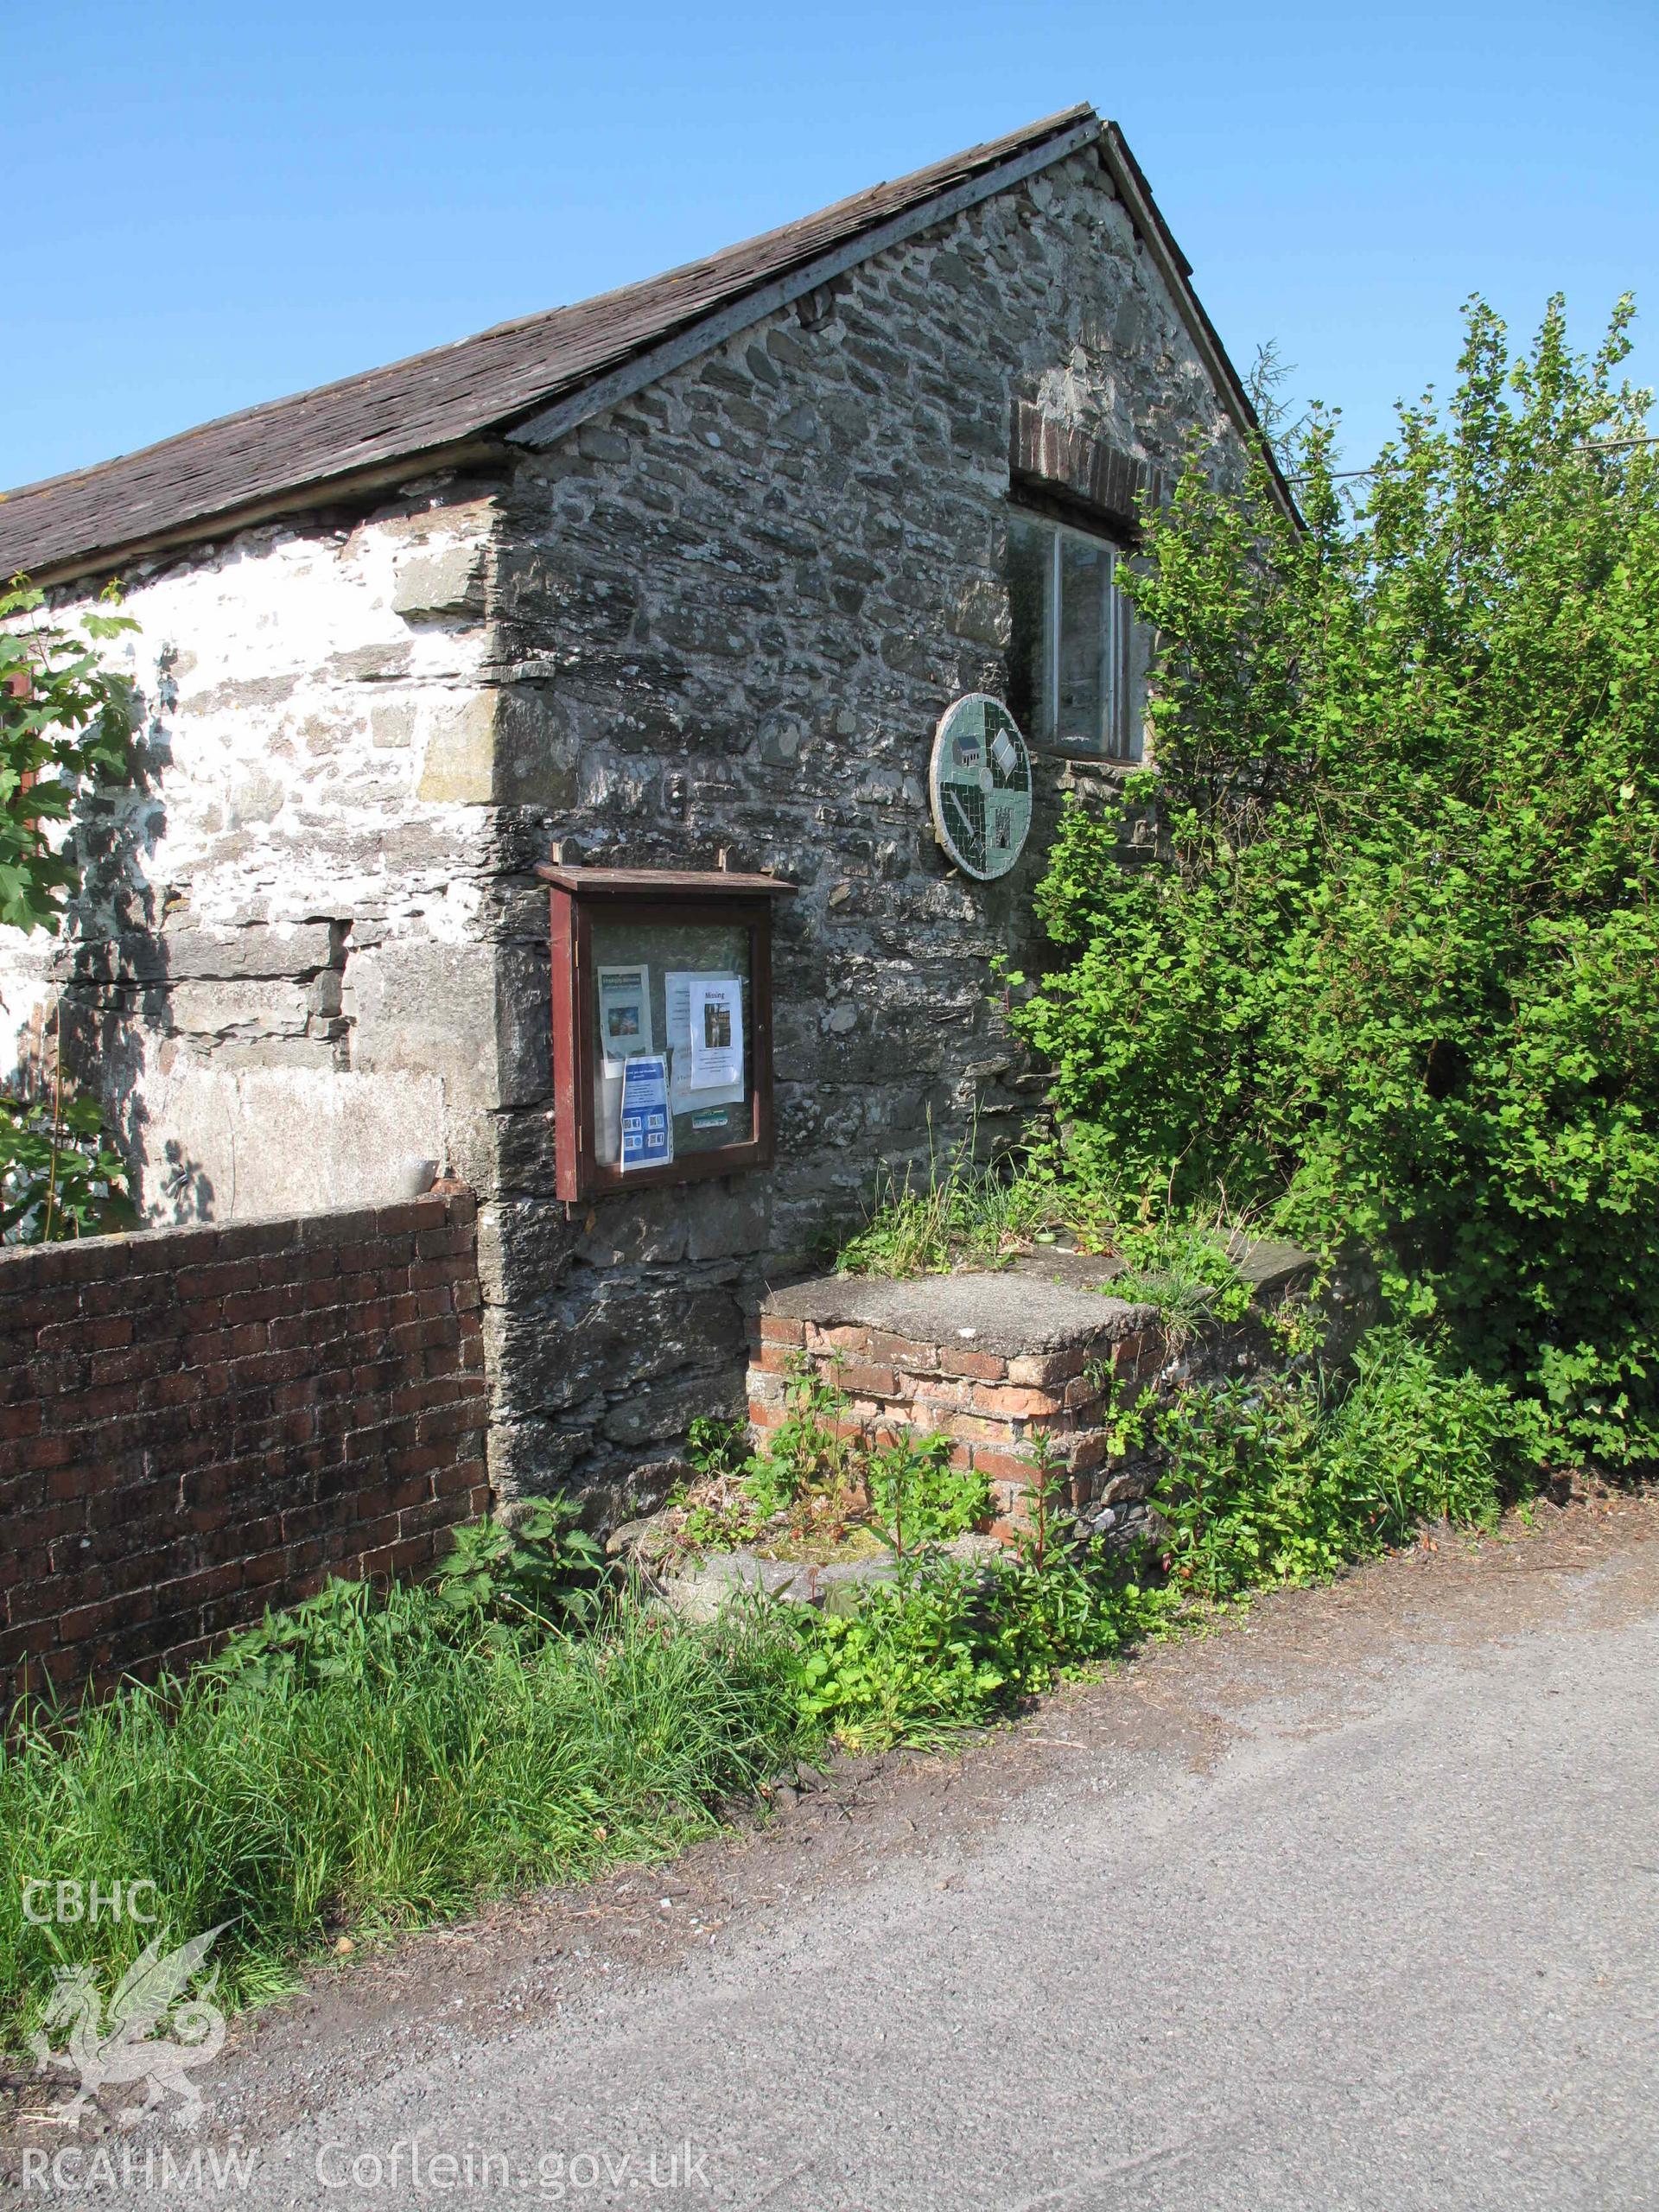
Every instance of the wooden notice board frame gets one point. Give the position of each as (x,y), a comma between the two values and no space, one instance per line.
(687,897)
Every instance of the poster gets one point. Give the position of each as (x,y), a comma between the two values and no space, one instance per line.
(687,1094)
(647,1132)
(624,1011)
(716,1024)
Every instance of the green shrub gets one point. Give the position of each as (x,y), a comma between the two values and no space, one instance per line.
(1183,1267)
(376,1759)
(918,1496)
(60,1177)
(1397,976)
(908,1491)
(1270,1480)
(945,1646)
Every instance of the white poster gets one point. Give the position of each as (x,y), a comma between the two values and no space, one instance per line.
(687,1094)
(717,1011)
(624,1011)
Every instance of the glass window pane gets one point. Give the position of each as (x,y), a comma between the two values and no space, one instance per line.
(1030,568)
(1128,653)
(1085,584)
(647,1020)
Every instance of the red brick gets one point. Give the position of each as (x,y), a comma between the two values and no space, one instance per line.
(982,1366)
(976,1428)
(98,1333)
(449,1242)
(1007,1467)
(135,1364)
(22,1420)
(1039,1370)
(1012,1404)
(223,1279)
(81,1623)
(852,1343)
(408,1217)
(934,1401)
(777,1329)
(40,1453)
(27,1640)
(903,1351)
(867,1382)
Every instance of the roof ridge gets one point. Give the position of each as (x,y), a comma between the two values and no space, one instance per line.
(533,376)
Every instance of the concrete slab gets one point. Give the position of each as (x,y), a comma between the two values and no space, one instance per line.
(1006,1313)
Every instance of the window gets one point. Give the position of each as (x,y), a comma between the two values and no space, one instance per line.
(1076,674)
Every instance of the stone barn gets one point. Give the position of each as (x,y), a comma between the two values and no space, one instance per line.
(672,585)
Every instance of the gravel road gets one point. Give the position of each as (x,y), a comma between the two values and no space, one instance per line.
(1352,1903)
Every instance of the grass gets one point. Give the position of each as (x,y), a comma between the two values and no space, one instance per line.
(429,1770)
(969,1212)
(973,1213)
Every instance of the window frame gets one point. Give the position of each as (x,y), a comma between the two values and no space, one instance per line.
(1117,646)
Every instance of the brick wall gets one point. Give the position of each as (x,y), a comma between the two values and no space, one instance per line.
(992,1406)
(196,1423)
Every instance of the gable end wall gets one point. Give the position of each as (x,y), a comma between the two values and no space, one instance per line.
(728,613)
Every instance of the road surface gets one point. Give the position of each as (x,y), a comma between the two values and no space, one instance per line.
(1352,1904)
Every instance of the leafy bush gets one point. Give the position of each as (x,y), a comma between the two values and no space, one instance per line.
(946,1646)
(543,1572)
(1270,1481)
(59,1178)
(919,1495)
(908,1665)
(64,722)
(908,1492)
(380,1758)
(1183,1267)
(1397,976)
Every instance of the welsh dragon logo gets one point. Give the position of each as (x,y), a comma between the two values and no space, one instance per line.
(122,2048)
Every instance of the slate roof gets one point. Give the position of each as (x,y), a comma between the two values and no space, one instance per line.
(434,401)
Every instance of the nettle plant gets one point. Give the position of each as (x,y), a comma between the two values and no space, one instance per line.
(66,723)
(1397,977)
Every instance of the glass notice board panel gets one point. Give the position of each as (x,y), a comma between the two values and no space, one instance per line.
(682,993)
(662,1024)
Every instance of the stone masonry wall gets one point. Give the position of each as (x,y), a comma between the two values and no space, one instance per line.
(197,1423)
(729,613)
(275,976)
(725,614)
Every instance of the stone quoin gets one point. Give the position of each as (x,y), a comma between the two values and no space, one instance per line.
(683,577)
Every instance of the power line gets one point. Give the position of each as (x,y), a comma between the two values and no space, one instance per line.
(1593,445)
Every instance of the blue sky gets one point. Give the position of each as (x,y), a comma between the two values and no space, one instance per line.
(218,201)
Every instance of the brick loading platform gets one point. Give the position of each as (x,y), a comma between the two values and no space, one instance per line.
(989,1360)
(1041,1347)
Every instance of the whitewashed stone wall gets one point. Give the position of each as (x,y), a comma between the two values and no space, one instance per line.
(276,970)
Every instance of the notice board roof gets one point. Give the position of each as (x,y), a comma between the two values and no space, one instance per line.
(661,882)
